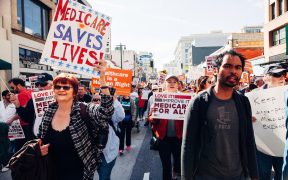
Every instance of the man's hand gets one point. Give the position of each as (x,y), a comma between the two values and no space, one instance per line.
(14,99)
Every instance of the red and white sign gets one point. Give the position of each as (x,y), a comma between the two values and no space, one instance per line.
(41,101)
(15,131)
(78,37)
(170,106)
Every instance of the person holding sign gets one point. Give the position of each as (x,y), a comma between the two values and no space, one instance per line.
(218,138)
(169,133)
(275,76)
(74,134)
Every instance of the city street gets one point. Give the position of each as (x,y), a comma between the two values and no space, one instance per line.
(132,165)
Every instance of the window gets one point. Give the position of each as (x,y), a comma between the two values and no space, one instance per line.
(33,18)
(278,37)
(281,7)
(186,50)
(273,11)
(30,59)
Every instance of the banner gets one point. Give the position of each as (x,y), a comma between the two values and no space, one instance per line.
(170,106)
(15,131)
(41,101)
(117,78)
(268,107)
(77,39)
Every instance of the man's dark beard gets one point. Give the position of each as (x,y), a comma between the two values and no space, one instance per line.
(222,81)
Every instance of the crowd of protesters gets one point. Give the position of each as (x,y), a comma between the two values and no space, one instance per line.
(190,149)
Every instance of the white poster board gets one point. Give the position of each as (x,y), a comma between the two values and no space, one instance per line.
(170,106)
(77,39)
(145,94)
(15,131)
(268,107)
(41,101)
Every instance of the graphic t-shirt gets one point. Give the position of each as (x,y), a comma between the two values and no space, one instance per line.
(221,154)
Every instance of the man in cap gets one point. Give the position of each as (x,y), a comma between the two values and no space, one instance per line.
(275,76)
(44,81)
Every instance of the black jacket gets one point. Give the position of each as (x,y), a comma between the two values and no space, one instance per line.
(28,164)
(196,134)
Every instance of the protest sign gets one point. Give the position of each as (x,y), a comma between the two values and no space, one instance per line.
(78,38)
(41,101)
(145,94)
(209,60)
(268,107)
(170,106)
(15,131)
(120,79)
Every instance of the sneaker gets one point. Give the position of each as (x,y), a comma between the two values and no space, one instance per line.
(128,148)
(120,152)
(4,169)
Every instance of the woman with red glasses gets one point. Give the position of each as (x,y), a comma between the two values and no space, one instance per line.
(65,132)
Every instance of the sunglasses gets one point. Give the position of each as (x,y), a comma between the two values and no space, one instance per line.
(66,88)
(96,100)
(277,75)
(41,84)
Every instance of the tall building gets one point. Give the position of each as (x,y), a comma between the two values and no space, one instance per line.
(24,26)
(125,58)
(190,50)
(146,62)
(276,19)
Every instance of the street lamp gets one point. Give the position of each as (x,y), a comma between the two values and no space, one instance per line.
(121,51)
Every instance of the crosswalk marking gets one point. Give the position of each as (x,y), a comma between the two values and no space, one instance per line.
(146,176)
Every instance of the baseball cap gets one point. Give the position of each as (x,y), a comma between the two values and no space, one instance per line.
(155,87)
(171,76)
(43,78)
(275,70)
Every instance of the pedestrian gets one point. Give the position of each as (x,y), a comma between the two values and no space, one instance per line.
(218,138)
(68,136)
(110,152)
(169,134)
(21,99)
(140,104)
(128,122)
(274,77)
(82,95)
(203,82)
(44,81)
(7,116)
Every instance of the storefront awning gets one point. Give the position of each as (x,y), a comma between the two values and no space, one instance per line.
(5,65)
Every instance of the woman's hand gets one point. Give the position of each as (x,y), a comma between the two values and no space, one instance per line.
(43,148)
(101,67)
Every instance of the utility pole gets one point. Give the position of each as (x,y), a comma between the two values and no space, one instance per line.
(121,53)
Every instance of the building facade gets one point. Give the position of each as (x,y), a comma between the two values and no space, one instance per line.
(275,34)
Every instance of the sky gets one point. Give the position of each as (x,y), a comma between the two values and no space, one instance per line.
(157,25)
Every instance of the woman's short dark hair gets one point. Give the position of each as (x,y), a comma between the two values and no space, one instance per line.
(218,61)
(4,93)
(65,78)
(201,83)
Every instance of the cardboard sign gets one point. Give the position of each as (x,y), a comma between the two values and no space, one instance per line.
(41,101)
(170,106)
(120,79)
(268,107)
(15,131)
(78,38)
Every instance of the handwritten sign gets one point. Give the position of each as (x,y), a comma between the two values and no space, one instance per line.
(269,109)
(41,101)
(170,106)
(121,80)
(209,60)
(15,131)
(78,38)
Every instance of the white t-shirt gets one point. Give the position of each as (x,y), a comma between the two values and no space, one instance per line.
(7,112)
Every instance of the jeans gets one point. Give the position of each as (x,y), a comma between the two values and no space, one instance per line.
(265,163)
(105,169)
(168,146)
(125,127)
